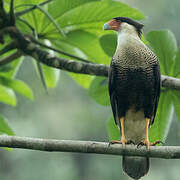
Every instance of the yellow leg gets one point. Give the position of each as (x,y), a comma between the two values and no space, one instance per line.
(123,140)
(146,141)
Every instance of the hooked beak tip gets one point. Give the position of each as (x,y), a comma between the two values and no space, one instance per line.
(106,26)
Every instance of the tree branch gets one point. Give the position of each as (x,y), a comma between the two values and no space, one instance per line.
(10,58)
(29,48)
(51,145)
(170,82)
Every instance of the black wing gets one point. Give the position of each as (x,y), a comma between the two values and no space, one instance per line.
(112,93)
(157,87)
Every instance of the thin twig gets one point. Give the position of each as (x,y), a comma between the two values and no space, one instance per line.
(52,145)
(27,24)
(48,16)
(20,13)
(10,58)
(59,51)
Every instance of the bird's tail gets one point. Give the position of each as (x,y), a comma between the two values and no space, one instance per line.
(135,167)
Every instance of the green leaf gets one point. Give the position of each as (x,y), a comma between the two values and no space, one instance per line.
(165,46)
(176,69)
(4,127)
(88,43)
(33,18)
(18,86)
(17,3)
(10,69)
(176,102)
(76,43)
(164,117)
(113,131)
(83,80)
(13,68)
(99,91)
(92,15)
(51,76)
(108,43)
(7,96)
(58,8)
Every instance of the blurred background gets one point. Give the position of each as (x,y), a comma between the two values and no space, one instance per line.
(68,113)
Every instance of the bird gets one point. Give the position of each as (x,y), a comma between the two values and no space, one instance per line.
(134,90)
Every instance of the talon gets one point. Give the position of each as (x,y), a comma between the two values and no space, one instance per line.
(140,144)
(148,144)
(123,142)
(144,143)
(130,142)
(157,142)
(114,142)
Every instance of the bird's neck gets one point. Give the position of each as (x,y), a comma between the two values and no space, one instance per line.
(128,46)
(125,38)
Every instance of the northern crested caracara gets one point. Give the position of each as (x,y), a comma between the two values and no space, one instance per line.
(134,89)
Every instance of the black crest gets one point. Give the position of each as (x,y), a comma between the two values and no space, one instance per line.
(137,25)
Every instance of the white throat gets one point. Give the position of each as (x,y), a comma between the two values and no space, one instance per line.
(126,34)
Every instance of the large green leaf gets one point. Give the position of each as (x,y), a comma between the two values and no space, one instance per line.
(85,45)
(51,76)
(7,96)
(176,69)
(10,69)
(113,131)
(73,14)
(164,116)
(18,86)
(165,46)
(83,80)
(34,18)
(89,44)
(92,15)
(108,43)
(17,3)
(4,127)
(15,65)
(99,91)
(176,102)
(58,8)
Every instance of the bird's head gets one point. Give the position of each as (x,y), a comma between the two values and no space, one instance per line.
(123,24)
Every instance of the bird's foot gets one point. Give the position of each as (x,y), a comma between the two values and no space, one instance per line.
(147,143)
(122,141)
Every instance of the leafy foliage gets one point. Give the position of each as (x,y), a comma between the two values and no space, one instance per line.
(75,27)
(80,20)
(99,90)
(165,46)
(7,95)
(4,128)
(112,129)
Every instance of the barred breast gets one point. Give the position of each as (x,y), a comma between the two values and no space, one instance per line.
(134,54)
